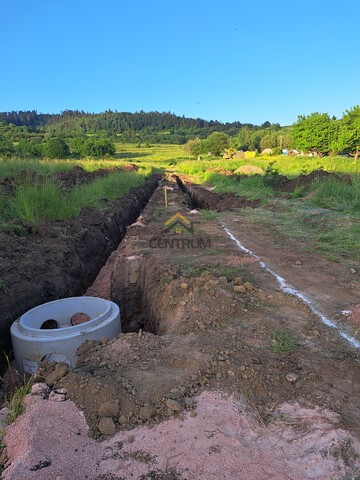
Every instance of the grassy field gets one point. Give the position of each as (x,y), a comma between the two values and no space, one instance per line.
(328,222)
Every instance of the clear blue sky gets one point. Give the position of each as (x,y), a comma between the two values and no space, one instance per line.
(226,60)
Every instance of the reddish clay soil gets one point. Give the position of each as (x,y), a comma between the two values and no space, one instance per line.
(221,439)
(196,386)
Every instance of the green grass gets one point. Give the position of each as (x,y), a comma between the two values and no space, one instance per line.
(281,342)
(39,202)
(15,402)
(289,166)
(338,196)
(209,214)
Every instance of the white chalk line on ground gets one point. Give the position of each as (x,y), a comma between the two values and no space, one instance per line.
(289,289)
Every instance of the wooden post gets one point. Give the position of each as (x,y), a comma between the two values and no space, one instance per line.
(165,198)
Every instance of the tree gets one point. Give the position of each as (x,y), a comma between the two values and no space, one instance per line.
(216,143)
(6,148)
(314,133)
(56,148)
(349,136)
(193,147)
(29,148)
(77,145)
(268,141)
(98,147)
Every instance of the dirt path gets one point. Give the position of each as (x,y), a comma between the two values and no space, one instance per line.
(332,287)
(200,386)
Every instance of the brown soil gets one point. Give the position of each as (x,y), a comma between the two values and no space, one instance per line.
(202,198)
(62,259)
(204,320)
(305,181)
(199,314)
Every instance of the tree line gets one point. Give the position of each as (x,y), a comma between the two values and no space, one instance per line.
(30,134)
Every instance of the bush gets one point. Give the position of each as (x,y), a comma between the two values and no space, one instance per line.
(56,148)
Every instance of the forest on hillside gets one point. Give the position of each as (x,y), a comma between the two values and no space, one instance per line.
(32,134)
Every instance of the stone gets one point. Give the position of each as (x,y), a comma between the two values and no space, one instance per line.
(40,389)
(62,391)
(173,405)
(239,289)
(291,377)
(248,286)
(184,285)
(79,318)
(4,413)
(146,412)
(106,426)
(61,369)
(238,281)
(122,419)
(189,402)
(352,270)
(298,262)
(131,438)
(57,397)
(231,373)
(108,409)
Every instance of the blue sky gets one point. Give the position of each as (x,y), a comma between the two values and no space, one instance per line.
(226,60)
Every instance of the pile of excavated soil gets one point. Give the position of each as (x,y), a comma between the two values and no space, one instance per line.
(221,171)
(220,439)
(249,170)
(305,181)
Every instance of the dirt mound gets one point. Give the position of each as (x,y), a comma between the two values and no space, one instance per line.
(130,167)
(203,198)
(305,181)
(171,309)
(249,170)
(221,171)
(62,259)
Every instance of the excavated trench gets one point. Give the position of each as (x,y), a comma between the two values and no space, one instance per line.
(200,197)
(189,329)
(137,277)
(62,259)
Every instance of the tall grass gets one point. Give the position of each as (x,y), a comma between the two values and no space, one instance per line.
(253,187)
(339,196)
(289,166)
(46,201)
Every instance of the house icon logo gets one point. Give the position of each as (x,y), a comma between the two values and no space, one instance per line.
(180,223)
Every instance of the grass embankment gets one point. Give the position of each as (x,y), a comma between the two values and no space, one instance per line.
(39,202)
